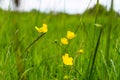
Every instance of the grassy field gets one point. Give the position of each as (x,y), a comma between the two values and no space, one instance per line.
(97,35)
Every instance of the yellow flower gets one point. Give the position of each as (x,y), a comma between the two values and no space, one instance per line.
(70,35)
(43,29)
(66,77)
(64,41)
(81,51)
(67,60)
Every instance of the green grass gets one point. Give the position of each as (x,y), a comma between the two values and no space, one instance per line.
(43,60)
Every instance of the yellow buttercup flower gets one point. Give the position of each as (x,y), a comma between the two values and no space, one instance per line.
(70,35)
(64,41)
(67,60)
(66,77)
(43,29)
(81,51)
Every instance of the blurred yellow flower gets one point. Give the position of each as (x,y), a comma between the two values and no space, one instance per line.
(67,60)
(66,77)
(64,41)
(43,29)
(70,35)
(81,51)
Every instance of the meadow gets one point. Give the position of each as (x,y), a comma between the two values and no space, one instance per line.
(97,35)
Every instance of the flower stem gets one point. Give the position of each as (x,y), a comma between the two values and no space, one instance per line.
(34,42)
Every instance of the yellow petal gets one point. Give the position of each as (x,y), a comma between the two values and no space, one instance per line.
(44,28)
(38,29)
(44,25)
(70,61)
(66,55)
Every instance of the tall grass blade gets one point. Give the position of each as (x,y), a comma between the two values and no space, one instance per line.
(94,56)
(108,41)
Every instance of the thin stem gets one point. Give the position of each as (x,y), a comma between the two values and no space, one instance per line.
(34,42)
(77,70)
(94,55)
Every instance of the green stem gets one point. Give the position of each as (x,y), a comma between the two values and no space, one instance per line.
(34,42)
(94,55)
(77,70)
